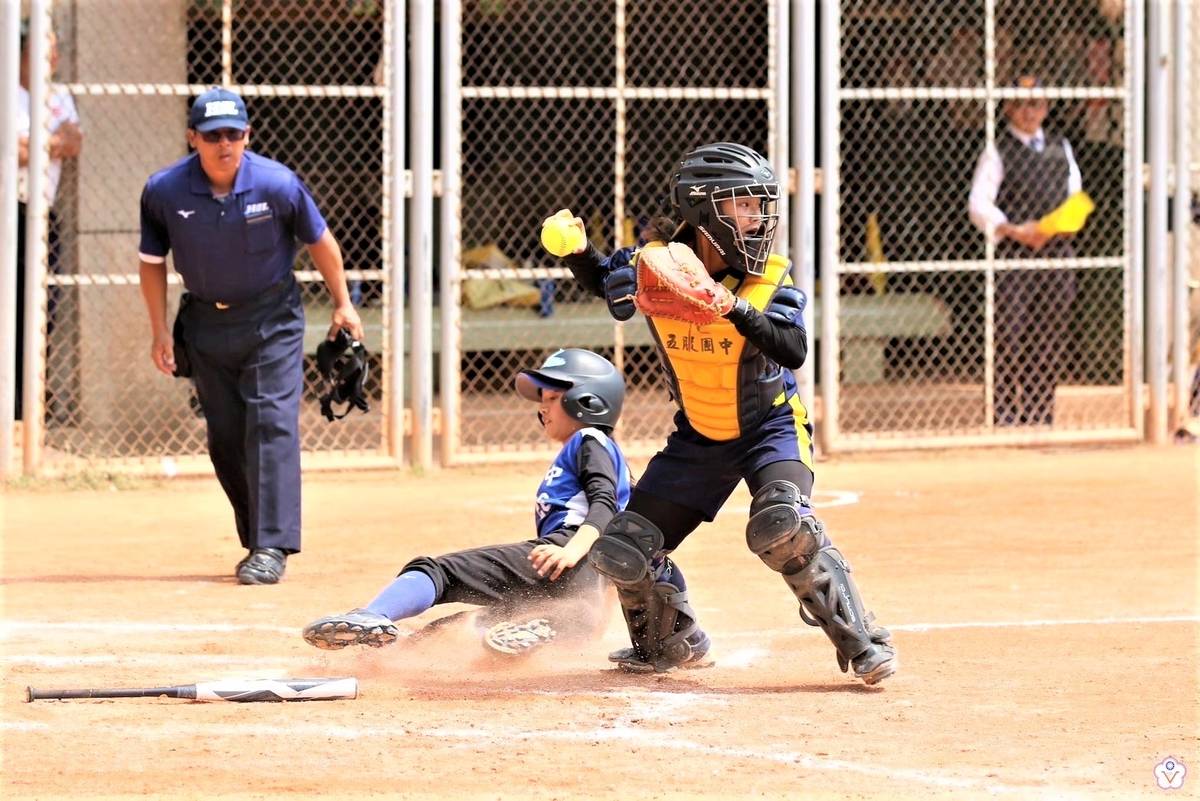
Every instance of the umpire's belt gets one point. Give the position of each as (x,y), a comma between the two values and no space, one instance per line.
(271,296)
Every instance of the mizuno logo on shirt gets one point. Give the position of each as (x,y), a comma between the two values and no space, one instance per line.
(185,213)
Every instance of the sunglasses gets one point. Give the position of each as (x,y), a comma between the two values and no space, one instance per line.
(226,134)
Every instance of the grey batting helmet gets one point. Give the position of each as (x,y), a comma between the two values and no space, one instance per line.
(593,390)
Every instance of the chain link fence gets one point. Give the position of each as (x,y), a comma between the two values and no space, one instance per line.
(585,105)
(310,73)
(590,121)
(939,334)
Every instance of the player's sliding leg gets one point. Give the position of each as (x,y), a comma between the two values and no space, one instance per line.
(662,626)
(513,638)
(409,594)
(785,534)
(498,577)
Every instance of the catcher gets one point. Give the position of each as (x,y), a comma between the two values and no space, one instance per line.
(729,328)
(579,396)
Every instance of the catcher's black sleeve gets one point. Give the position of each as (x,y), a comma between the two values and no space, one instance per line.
(589,268)
(783,343)
(598,477)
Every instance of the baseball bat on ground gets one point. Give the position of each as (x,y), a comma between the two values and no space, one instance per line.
(240,690)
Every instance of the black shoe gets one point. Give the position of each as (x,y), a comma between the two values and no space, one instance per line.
(698,644)
(262,566)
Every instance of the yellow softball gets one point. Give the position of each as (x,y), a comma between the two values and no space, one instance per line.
(560,237)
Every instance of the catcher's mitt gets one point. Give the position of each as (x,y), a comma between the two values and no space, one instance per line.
(672,282)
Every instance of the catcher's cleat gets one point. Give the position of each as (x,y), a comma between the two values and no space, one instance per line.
(356,627)
(262,566)
(518,638)
(698,642)
(878,662)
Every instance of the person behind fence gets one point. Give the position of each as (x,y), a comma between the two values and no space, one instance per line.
(579,395)
(66,142)
(231,219)
(729,369)
(1026,174)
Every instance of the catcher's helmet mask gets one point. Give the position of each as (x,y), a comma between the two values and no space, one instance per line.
(593,390)
(728,171)
(344,366)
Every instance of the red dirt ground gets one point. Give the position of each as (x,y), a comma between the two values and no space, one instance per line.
(1044,603)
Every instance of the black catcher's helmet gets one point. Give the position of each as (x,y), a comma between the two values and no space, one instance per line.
(343,364)
(721,171)
(593,390)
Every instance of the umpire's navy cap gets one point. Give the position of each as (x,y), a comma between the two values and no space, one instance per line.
(218,108)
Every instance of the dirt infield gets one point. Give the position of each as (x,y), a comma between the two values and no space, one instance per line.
(1043,602)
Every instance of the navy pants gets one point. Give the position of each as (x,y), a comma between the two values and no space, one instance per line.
(689,480)
(248,366)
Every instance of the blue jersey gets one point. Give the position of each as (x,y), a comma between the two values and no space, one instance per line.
(561,498)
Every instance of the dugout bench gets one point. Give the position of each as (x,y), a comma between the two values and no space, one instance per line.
(868,324)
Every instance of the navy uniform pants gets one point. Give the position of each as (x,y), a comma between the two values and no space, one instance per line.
(248,366)
(688,481)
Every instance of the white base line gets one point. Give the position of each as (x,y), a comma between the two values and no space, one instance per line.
(644,704)
(10,628)
(77,660)
(921,628)
(620,734)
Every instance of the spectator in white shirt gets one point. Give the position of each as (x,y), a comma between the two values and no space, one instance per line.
(1024,175)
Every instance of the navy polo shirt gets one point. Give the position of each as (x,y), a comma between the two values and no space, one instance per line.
(230,250)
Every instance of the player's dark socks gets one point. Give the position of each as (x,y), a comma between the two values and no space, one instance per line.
(670,572)
(409,594)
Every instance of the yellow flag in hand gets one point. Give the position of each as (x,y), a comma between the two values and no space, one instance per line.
(1069,217)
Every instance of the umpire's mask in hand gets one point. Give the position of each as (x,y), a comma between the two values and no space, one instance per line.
(344,366)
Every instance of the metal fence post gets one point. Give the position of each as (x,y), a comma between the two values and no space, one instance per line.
(1182,212)
(831,75)
(37,214)
(450,233)
(10,66)
(420,237)
(1157,281)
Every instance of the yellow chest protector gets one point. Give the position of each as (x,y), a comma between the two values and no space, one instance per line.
(723,384)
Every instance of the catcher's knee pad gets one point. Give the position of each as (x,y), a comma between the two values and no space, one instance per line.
(829,599)
(624,551)
(782,530)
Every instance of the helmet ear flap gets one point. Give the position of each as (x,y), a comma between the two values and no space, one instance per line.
(591,403)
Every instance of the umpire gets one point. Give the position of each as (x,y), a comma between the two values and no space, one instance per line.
(232,218)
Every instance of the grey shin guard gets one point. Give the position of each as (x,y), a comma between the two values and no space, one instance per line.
(657,613)
(660,622)
(829,599)
(784,533)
